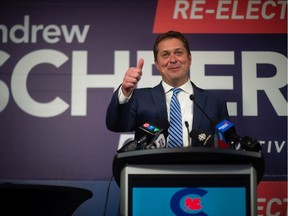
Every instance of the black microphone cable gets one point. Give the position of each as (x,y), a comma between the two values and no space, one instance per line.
(192,98)
(107,195)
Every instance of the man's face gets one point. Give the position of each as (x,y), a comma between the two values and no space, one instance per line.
(173,62)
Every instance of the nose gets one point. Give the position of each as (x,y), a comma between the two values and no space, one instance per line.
(173,58)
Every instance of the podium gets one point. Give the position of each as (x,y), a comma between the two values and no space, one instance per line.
(188,181)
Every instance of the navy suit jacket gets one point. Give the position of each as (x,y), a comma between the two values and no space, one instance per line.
(149,105)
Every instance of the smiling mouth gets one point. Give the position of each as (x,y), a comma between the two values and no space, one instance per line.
(173,68)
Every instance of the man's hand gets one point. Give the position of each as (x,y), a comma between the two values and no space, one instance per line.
(131,78)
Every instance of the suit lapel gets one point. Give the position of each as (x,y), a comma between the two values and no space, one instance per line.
(200,99)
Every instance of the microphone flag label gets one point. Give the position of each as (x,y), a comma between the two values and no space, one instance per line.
(223,127)
(151,129)
(160,141)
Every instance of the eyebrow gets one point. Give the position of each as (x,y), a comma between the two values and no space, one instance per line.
(177,49)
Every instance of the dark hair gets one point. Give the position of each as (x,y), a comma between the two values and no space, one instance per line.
(169,35)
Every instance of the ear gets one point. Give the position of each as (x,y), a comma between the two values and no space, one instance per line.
(190,58)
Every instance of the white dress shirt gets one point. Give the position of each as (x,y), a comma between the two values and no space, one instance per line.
(186,107)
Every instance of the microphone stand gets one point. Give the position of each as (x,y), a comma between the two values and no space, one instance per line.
(215,140)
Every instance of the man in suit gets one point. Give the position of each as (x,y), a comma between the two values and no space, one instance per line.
(131,107)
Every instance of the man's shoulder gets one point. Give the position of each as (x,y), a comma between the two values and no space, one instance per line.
(206,93)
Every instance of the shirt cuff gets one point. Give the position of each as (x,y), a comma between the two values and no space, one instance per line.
(122,98)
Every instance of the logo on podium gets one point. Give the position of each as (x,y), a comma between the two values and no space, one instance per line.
(188,202)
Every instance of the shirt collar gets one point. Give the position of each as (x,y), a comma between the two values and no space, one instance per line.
(186,87)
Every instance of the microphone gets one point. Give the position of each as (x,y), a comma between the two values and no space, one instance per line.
(250,144)
(201,138)
(159,142)
(226,132)
(130,145)
(187,127)
(151,136)
(156,134)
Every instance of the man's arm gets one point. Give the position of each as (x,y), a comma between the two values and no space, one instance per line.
(118,115)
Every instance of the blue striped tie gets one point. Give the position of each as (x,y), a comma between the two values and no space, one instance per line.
(175,129)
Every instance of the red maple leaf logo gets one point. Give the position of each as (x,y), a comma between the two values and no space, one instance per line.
(193,204)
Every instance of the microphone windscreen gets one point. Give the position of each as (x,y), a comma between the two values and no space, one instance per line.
(128,146)
(192,97)
(200,138)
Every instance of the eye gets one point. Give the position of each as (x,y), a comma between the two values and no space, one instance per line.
(164,55)
(179,53)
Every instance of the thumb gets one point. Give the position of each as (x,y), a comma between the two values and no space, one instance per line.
(140,63)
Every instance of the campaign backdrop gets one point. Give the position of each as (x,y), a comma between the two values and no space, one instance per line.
(61,61)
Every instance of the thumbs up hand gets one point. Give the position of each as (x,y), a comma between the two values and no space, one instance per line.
(131,78)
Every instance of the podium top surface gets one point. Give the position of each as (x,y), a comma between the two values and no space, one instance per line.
(197,155)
